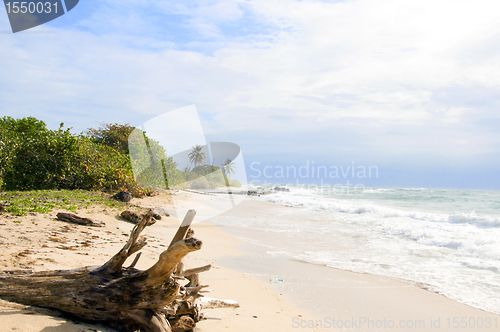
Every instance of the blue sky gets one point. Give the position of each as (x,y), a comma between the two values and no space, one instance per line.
(411,87)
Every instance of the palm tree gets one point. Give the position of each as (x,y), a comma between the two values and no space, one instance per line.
(228,167)
(196,156)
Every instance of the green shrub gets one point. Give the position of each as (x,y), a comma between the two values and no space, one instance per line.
(216,179)
(213,175)
(37,157)
(200,183)
(113,135)
(151,166)
(99,167)
(34,157)
(204,169)
(234,183)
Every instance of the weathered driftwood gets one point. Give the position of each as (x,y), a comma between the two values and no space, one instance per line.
(73,218)
(123,196)
(135,218)
(209,303)
(124,298)
(161,211)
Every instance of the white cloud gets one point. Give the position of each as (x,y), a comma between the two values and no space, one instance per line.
(271,67)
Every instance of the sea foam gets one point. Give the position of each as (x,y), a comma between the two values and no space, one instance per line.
(446,240)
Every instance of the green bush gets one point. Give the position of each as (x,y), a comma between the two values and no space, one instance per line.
(113,135)
(8,144)
(213,177)
(234,183)
(205,169)
(216,179)
(98,166)
(34,157)
(200,183)
(151,166)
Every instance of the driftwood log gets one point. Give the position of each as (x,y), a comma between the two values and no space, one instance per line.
(74,219)
(124,298)
(136,218)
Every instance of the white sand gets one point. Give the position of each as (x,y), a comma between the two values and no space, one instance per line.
(310,294)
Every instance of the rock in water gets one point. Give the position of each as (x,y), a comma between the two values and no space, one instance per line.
(123,196)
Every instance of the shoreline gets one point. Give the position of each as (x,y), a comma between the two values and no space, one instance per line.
(354,294)
(39,242)
(312,296)
(327,293)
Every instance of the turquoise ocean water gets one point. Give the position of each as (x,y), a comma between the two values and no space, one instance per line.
(446,240)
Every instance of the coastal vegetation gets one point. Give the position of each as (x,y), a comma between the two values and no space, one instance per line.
(33,157)
(42,170)
(20,203)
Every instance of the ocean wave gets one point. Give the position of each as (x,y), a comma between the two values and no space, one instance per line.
(318,202)
(440,238)
(471,218)
(483,266)
(377,191)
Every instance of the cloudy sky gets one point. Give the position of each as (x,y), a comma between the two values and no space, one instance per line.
(412,87)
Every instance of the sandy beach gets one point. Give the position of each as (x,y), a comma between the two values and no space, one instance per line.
(312,297)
